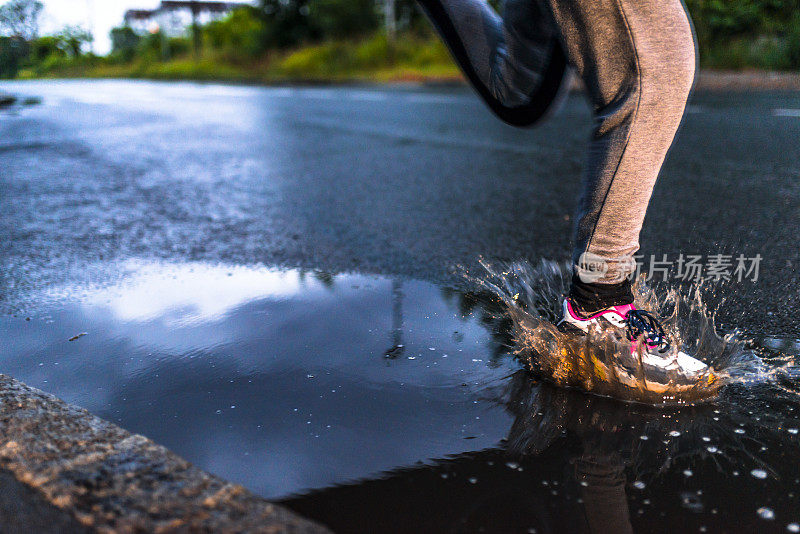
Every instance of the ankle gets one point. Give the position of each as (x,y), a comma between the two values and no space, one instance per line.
(588,299)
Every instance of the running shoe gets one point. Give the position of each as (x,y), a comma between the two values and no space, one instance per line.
(651,361)
(554,75)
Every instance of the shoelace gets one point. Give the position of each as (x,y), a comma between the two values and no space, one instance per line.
(640,322)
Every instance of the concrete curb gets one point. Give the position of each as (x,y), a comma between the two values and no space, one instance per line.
(65,470)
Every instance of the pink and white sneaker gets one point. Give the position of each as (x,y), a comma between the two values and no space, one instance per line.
(659,364)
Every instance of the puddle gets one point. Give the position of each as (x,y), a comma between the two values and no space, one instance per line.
(13,104)
(375,404)
(279,380)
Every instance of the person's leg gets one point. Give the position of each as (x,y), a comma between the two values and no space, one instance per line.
(637,59)
(514,62)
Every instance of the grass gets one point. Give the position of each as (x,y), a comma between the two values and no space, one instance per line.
(370,59)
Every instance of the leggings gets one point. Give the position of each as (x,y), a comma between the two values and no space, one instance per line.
(637,61)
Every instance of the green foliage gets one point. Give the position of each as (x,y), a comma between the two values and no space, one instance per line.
(344,39)
(337,19)
(793,42)
(152,47)
(747,33)
(71,39)
(44,47)
(287,23)
(12,53)
(242,32)
(178,46)
(348,59)
(124,42)
(157,46)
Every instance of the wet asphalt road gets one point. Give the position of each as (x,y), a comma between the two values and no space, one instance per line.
(407,182)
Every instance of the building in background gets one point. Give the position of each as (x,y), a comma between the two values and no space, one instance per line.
(174,17)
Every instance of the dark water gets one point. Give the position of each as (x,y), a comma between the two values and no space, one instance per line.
(380,405)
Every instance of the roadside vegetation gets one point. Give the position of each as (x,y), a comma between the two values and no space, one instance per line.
(343,40)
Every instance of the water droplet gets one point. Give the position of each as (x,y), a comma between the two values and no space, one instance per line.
(739,431)
(674,433)
(765,513)
(691,501)
(473,480)
(643,438)
(759,473)
(791,430)
(793,527)
(712,449)
(639,485)
(687,473)
(512,465)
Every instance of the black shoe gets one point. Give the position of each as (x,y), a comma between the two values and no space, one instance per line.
(552,87)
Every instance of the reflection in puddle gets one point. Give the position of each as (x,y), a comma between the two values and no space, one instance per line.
(13,104)
(279,380)
(572,462)
(376,404)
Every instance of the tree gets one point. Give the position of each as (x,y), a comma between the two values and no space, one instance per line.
(343,18)
(72,38)
(20,18)
(287,22)
(12,51)
(124,42)
(240,33)
(43,48)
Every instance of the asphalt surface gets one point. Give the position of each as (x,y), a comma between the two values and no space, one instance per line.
(399,181)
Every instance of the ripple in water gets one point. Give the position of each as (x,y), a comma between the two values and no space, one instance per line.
(532,295)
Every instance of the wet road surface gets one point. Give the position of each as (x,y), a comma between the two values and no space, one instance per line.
(264,281)
(400,182)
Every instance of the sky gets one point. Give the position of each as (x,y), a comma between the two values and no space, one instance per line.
(98,16)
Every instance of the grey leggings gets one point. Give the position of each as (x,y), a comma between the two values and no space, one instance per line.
(637,59)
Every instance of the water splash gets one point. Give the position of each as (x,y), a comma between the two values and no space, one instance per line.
(531,296)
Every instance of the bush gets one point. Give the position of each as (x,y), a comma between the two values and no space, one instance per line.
(43,48)
(178,46)
(287,23)
(158,47)
(13,52)
(240,34)
(317,61)
(793,42)
(124,42)
(373,57)
(337,19)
